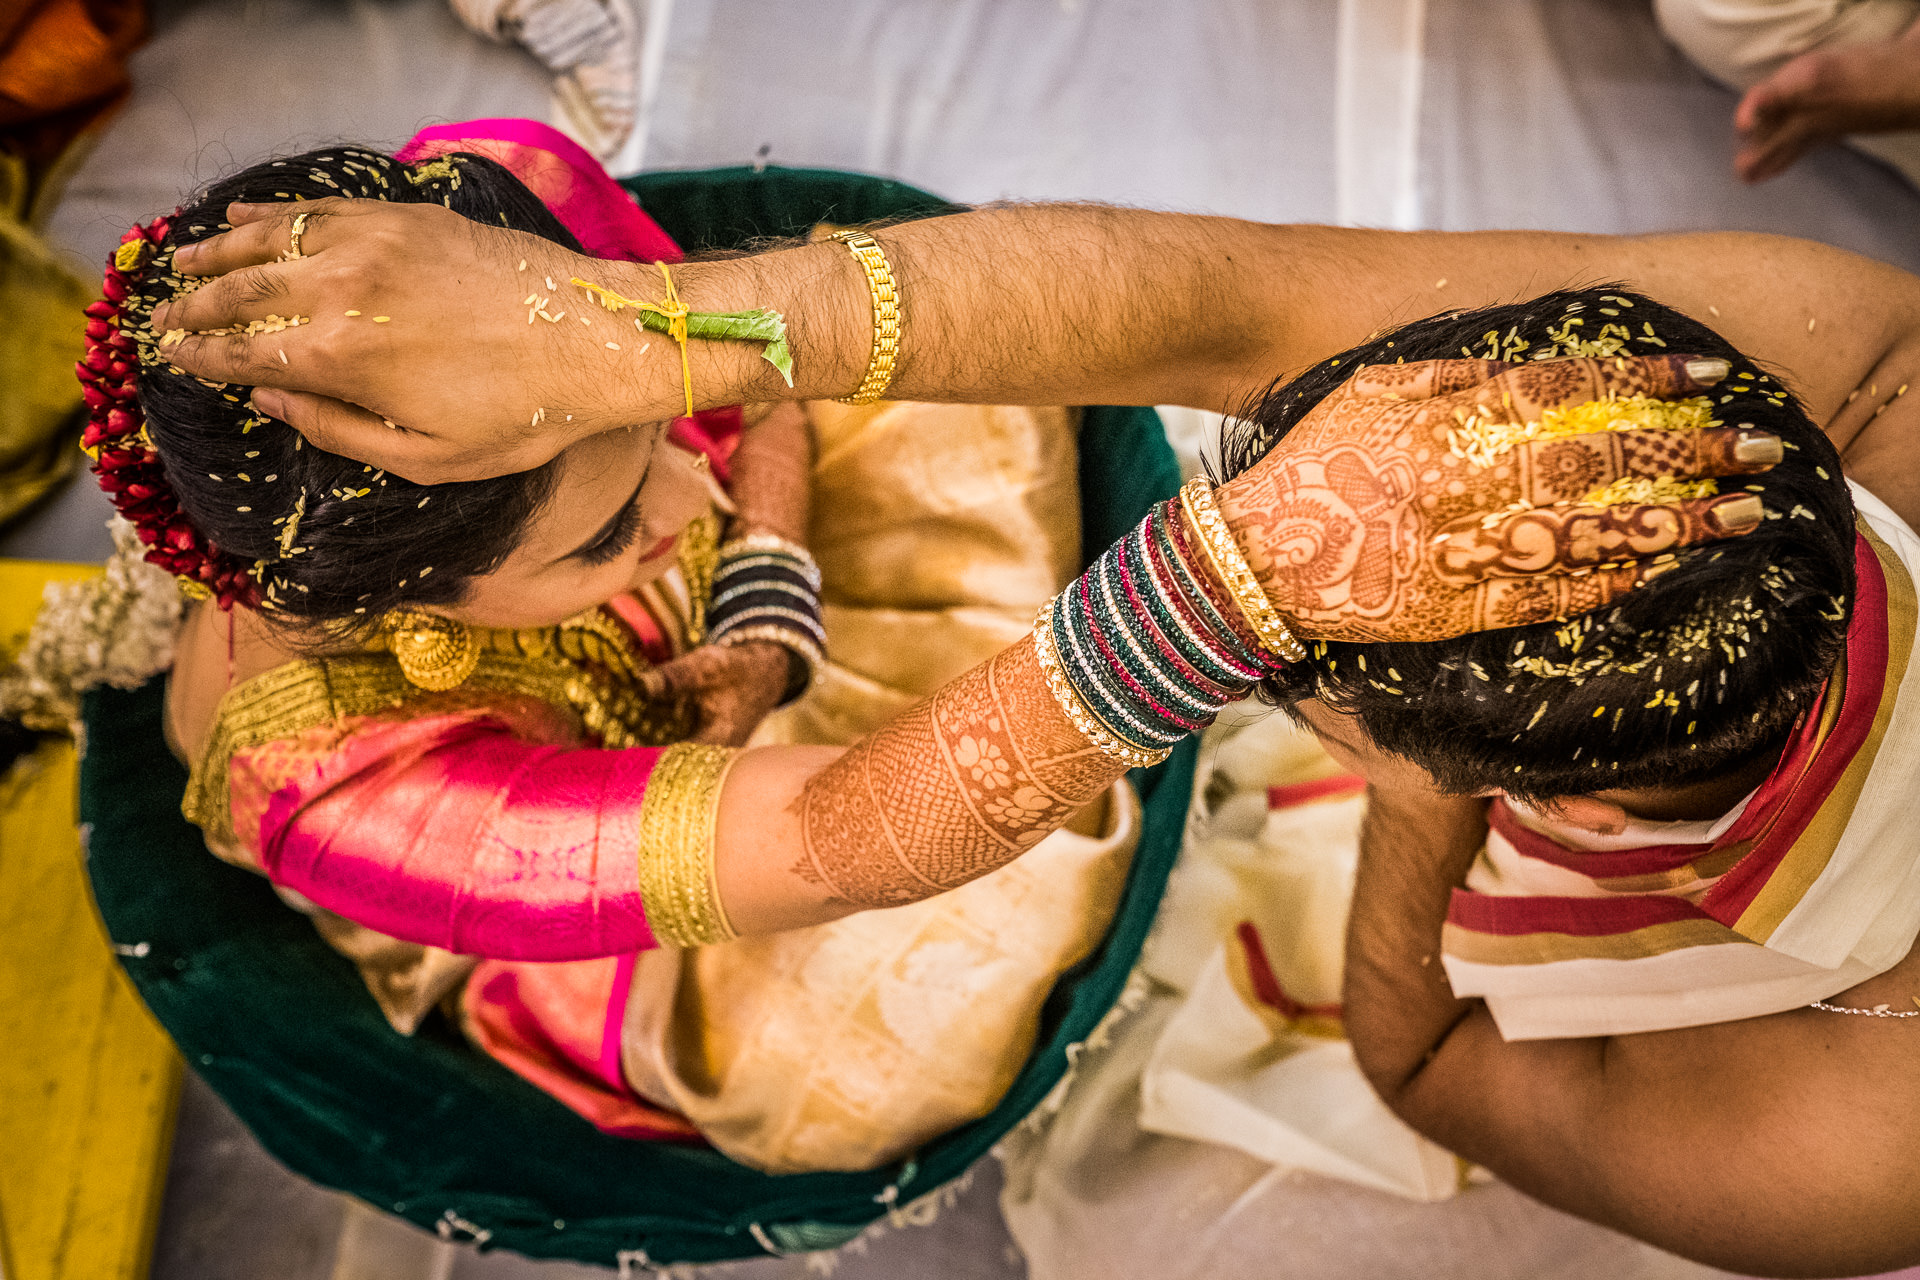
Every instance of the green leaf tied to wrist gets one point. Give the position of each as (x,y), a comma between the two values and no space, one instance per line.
(765,325)
(671,317)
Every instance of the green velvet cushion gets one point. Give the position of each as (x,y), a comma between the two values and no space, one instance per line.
(282,1028)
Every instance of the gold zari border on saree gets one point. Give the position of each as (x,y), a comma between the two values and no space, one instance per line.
(1550,948)
(1810,854)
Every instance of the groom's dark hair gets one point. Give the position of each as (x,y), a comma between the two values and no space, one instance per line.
(1702,671)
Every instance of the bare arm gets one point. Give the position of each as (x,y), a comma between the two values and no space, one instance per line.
(1056,304)
(955,787)
(1784,1145)
(968,780)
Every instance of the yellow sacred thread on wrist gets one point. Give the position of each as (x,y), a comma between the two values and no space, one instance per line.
(1075,710)
(1230,565)
(674,312)
(669,308)
(677,881)
(886,315)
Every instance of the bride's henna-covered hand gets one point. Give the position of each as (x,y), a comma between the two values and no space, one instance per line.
(1385,514)
(732,687)
(772,466)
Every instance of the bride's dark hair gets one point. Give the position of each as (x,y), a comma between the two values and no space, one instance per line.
(1702,670)
(331,540)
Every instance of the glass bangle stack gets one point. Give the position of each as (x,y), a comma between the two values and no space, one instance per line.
(767,588)
(1148,644)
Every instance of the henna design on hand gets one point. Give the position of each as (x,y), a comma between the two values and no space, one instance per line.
(1546,538)
(1517,602)
(953,788)
(1571,467)
(1564,471)
(1340,533)
(1370,521)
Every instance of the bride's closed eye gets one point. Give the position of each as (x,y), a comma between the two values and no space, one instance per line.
(618,533)
(616,538)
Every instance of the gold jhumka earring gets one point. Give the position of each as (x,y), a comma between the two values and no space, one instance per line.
(434,653)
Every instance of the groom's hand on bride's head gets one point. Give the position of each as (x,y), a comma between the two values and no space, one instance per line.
(432,346)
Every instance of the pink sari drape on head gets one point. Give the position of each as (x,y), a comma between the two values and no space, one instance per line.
(598,210)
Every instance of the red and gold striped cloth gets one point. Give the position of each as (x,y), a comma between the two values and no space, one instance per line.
(1809,888)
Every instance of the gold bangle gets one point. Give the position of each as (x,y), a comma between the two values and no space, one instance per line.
(886,315)
(677,876)
(1230,565)
(1077,711)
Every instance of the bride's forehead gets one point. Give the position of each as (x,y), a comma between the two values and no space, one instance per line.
(600,458)
(592,480)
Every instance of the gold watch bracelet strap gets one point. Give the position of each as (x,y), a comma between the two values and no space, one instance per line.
(886,315)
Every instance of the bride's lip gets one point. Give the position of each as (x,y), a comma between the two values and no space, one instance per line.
(660,548)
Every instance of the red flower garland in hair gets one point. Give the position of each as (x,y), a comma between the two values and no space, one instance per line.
(124,459)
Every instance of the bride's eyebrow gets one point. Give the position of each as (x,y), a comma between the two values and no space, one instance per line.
(605,531)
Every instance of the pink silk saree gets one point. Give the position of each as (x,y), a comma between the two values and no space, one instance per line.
(486,830)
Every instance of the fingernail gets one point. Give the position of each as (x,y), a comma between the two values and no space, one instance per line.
(268,401)
(1758,449)
(1708,370)
(186,253)
(157,321)
(1739,514)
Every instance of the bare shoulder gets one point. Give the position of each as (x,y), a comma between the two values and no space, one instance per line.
(1821,317)
(1790,1141)
(1779,1145)
(1877,429)
(1842,331)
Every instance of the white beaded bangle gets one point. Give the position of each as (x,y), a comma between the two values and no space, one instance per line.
(1075,710)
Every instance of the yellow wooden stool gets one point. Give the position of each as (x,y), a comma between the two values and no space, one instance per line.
(88,1081)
